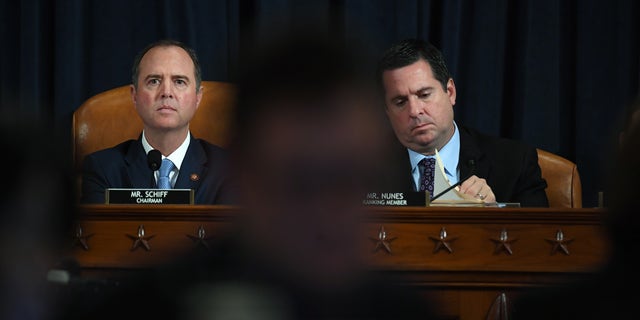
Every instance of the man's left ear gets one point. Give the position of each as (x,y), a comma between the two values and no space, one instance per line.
(199,96)
(451,91)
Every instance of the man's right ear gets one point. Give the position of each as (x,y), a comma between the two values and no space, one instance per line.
(133,93)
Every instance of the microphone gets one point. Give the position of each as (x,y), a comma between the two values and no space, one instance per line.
(64,271)
(471,163)
(154,159)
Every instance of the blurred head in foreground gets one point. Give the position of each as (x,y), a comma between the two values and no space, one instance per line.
(630,121)
(306,147)
(622,173)
(623,220)
(36,208)
(306,141)
(605,294)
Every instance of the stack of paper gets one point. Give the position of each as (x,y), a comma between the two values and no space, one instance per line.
(453,197)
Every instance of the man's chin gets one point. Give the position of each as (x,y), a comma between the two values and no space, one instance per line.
(167,125)
(421,146)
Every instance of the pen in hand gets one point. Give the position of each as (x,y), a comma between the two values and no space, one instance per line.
(447,190)
(472,165)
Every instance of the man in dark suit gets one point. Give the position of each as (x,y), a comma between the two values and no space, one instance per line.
(166,90)
(419,95)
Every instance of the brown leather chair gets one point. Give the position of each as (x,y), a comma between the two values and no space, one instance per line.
(109,118)
(564,188)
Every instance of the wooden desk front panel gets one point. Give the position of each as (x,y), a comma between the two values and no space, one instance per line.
(411,229)
(465,282)
(530,236)
(110,232)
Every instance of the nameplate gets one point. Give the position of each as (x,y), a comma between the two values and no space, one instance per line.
(148,196)
(408,199)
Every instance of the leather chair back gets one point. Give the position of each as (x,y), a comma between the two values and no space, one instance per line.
(564,188)
(109,118)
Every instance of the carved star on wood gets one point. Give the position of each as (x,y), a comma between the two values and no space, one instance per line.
(559,243)
(80,239)
(382,241)
(443,241)
(140,240)
(503,243)
(201,238)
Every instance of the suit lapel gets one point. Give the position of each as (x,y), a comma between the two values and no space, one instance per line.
(193,168)
(140,175)
(409,177)
(472,160)
(400,159)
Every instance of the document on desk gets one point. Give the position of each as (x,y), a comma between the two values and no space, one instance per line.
(453,197)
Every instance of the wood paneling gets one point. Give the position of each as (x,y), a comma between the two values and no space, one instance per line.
(465,282)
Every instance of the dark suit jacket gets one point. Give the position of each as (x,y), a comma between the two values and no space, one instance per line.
(125,166)
(509,166)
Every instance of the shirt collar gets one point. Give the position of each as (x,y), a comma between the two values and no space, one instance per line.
(449,154)
(177,156)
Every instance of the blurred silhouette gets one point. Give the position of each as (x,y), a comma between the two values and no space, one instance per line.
(630,120)
(612,291)
(36,199)
(304,152)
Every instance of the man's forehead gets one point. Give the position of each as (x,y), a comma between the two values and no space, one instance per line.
(176,53)
(166,48)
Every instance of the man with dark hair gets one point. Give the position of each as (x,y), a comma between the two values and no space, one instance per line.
(419,95)
(166,90)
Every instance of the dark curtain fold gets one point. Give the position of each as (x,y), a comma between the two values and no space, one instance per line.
(555,74)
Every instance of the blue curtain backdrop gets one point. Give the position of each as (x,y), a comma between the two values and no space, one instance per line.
(556,74)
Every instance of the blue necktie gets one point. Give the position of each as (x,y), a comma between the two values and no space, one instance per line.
(427,170)
(163,177)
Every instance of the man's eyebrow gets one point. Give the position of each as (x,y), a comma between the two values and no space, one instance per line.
(402,96)
(152,76)
(158,76)
(425,89)
(179,76)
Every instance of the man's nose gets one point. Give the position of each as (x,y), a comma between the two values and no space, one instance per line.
(415,107)
(167,89)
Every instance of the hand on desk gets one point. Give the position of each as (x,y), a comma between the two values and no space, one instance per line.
(478,188)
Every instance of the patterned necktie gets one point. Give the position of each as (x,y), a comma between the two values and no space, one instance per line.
(427,169)
(163,177)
